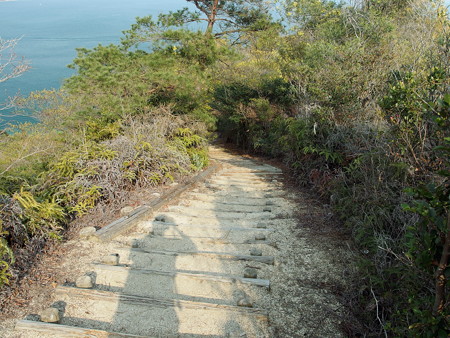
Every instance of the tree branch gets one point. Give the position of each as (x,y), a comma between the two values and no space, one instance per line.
(10,65)
(199,7)
(378,312)
(15,162)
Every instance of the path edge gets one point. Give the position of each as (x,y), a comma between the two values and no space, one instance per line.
(127,222)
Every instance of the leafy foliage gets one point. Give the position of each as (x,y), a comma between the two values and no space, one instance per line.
(353,98)
(41,218)
(6,256)
(428,244)
(360,106)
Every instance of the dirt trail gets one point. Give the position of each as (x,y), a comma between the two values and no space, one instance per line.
(229,258)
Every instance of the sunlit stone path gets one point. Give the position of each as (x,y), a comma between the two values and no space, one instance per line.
(220,261)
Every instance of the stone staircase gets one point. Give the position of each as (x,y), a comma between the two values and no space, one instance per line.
(199,267)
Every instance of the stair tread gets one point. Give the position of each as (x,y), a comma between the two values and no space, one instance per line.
(200,275)
(225,255)
(154,301)
(152,316)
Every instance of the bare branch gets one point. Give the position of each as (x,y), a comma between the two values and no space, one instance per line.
(199,6)
(11,66)
(378,313)
(22,158)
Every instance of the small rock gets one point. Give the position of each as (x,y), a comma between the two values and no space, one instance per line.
(274,181)
(126,210)
(270,203)
(267,209)
(135,244)
(165,219)
(274,245)
(282,215)
(250,273)
(255,252)
(174,184)
(50,315)
(238,294)
(261,226)
(112,259)
(94,239)
(244,302)
(260,237)
(156,194)
(87,232)
(84,282)
(160,218)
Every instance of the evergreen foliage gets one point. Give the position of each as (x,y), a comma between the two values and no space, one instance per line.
(359,113)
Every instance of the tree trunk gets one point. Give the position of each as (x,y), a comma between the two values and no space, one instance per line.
(441,280)
(212,16)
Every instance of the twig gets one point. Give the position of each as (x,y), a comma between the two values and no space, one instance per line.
(401,259)
(23,158)
(378,313)
(10,65)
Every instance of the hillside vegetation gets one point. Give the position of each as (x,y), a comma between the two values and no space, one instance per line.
(353,98)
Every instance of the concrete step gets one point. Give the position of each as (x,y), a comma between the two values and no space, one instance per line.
(245,165)
(175,218)
(251,173)
(192,257)
(242,188)
(157,317)
(177,284)
(187,231)
(216,262)
(264,214)
(242,245)
(173,273)
(235,166)
(253,182)
(218,192)
(252,201)
(247,178)
(233,207)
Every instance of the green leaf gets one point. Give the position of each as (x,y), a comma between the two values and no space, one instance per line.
(446,99)
(406,207)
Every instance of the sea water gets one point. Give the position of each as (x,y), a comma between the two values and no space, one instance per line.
(51,30)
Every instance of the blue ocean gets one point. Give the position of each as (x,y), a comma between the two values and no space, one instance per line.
(51,30)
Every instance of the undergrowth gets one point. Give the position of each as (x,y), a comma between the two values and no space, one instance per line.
(366,126)
(98,169)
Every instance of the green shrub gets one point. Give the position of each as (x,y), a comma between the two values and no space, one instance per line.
(6,256)
(42,219)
